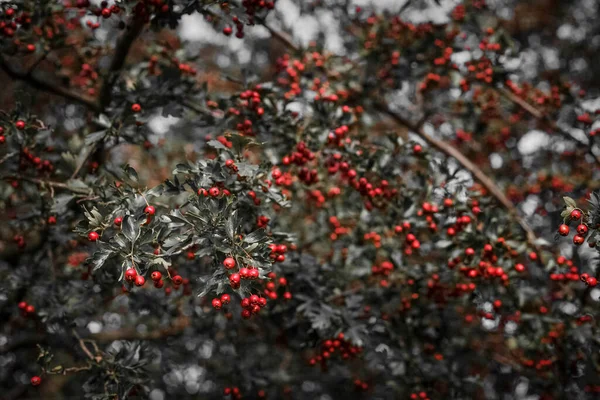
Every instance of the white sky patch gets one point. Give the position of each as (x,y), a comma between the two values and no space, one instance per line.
(161,125)
(532,142)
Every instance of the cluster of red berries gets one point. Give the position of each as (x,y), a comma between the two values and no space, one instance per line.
(336,345)
(281,178)
(301,156)
(234,392)
(271,288)
(339,230)
(541,364)
(589,280)
(419,396)
(26,309)
(278,252)
(11,21)
(262,221)
(219,302)
(361,385)
(582,229)
(384,268)
(19,240)
(252,305)
(337,136)
(35,161)
(213,192)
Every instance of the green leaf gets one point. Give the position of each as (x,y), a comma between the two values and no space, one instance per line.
(570,202)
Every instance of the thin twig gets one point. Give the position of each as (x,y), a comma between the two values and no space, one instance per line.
(42,182)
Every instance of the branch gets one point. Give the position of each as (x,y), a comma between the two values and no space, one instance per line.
(118,61)
(175,329)
(53,184)
(467,164)
(279,36)
(541,116)
(40,83)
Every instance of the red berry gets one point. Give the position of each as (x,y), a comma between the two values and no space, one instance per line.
(140,280)
(592,281)
(29,309)
(216,303)
(229,263)
(36,380)
(417,149)
(214,191)
(106,12)
(150,210)
(93,236)
(227,31)
(156,276)
(22,305)
(225,298)
(246,314)
(51,220)
(159,284)
(578,240)
(177,280)
(234,280)
(576,214)
(563,230)
(117,221)
(582,229)
(519,267)
(130,274)
(136,108)
(20,125)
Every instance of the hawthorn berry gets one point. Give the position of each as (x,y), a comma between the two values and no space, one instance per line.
(225,298)
(140,280)
(216,303)
(93,236)
(576,214)
(130,274)
(229,263)
(177,280)
(117,221)
(136,108)
(563,230)
(582,229)
(35,380)
(150,210)
(214,191)
(156,276)
(20,125)
(234,280)
(578,240)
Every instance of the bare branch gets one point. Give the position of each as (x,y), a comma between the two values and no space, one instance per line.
(37,82)
(118,61)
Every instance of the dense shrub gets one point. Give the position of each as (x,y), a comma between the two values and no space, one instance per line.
(377,213)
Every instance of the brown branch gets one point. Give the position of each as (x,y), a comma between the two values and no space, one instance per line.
(118,61)
(467,164)
(37,82)
(41,182)
(279,36)
(541,116)
(175,329)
